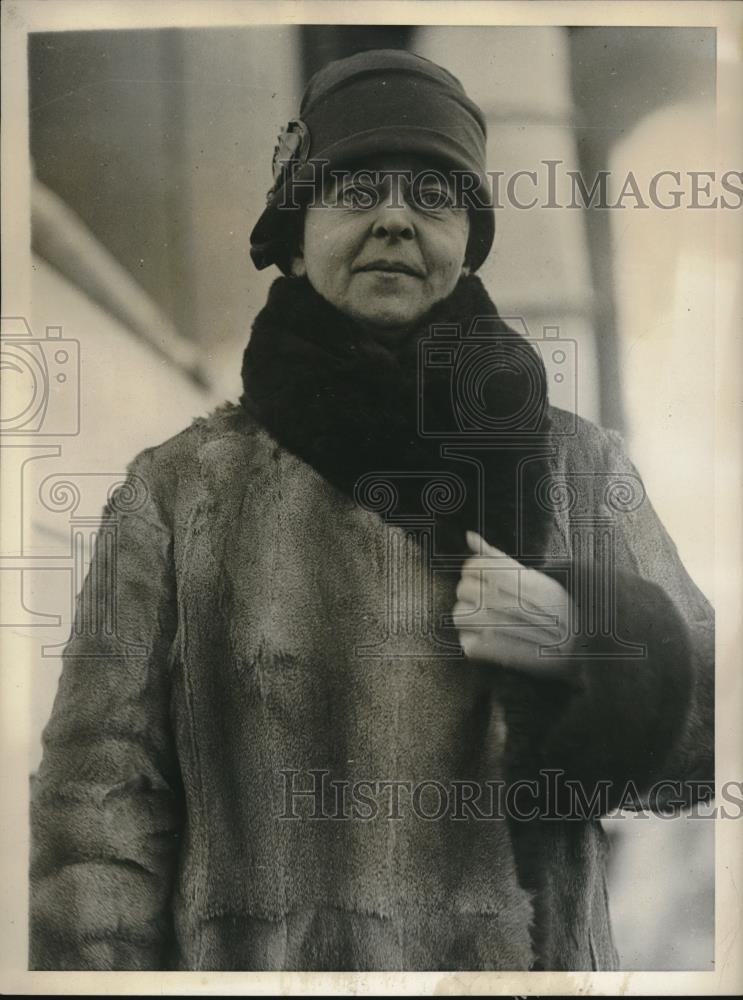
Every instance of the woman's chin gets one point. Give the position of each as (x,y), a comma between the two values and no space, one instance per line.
(388,328)
(388,317)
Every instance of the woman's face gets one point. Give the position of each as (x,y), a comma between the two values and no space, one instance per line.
(381,250)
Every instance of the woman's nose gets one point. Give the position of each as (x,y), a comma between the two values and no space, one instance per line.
(393,218)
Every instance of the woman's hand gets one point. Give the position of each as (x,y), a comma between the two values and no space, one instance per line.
(508,613)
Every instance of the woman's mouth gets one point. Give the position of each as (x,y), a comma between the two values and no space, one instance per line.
(389,267)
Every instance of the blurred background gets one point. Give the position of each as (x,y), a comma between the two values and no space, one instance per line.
(151,157)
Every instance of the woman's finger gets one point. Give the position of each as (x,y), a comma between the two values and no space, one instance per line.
(464,612)
(535,587)
(469,643)
(497,586)
(476,543)
(470,589)
(477,565)
(479,547)
(489,596)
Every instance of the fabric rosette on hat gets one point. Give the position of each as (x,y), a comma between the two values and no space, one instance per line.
(290,153)
(379,101)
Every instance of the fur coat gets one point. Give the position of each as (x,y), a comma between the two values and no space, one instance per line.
(280,574)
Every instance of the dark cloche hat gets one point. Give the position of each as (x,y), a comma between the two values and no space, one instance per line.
(378,101)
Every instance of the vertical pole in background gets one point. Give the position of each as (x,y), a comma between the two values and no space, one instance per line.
(592,146)
(538,270)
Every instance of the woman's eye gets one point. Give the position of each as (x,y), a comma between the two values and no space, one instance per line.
(358,196)
(432,197)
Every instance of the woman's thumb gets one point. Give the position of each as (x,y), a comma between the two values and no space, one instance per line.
(477,543)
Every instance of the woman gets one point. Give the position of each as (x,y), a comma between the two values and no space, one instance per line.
(371,588)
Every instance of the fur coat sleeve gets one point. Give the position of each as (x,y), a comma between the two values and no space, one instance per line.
(105,811)
(636,730)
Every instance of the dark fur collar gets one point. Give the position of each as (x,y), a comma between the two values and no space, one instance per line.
(349,406)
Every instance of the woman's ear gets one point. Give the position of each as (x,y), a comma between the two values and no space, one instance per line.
(298,266)
(466,270)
